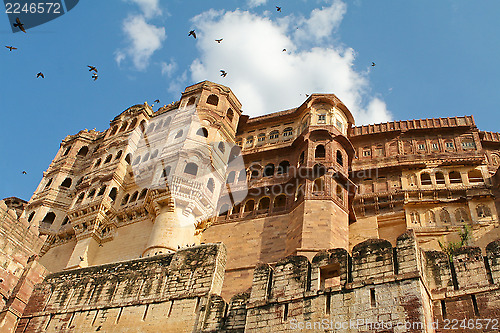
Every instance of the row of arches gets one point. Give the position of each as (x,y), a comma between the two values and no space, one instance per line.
(443,215)
(262,205)
(442,178)
(127,198)
(108,159)
(94,193)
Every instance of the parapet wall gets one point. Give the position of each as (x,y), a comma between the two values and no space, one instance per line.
(162,293)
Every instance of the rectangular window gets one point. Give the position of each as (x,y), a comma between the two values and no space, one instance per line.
(449,145)
(261,138)
(273,136)
(367,153)
(421,146)
(322,119)
(339,125)
(435,146)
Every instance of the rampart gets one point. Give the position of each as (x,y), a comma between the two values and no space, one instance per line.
(376,288)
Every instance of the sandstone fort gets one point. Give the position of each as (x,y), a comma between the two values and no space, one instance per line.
(198,218)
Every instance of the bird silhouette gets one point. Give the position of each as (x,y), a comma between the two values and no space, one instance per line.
(95,77)
(98,328)
(11,48)
(219,40)
(307,95)
(19,25)
(223,73)
(373,64)
(40,75)
(284,50)
(81,258)
(92,68)
(156,101)
(192,33)
(24,172)
(278,9)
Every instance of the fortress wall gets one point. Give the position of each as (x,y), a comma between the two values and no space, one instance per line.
(163,292)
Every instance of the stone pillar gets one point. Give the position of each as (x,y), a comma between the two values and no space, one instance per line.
(172,229)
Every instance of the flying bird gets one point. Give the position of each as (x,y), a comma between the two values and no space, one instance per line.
(40,74)
(373,64)
(219,40)
(24,172)
(284,50)
(307,95)
(278,9)
(11,48)
(92,68)
(192,33)
(223,73)
(157,101)
(81,258)
(19,25)
(95,77)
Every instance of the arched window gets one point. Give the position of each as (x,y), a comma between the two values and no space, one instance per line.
(322,118)
(320,152)
(475,176)
(108,158)
(235,152)
(455,177)
(191,100)
(236,209)
(430,217)
(132,124)
(230,177)
(283,167)
(444,216)
(340,159)
(166,171)
(440,178)
(125,199)
(145,157)
(178,135)
(113,130)
(159,125)
(151,128)
(32,215)
(202,132)
(249,141)
(414,218)
(66,151)
(128,158)
(264,203)
(425,179)
(49,218)
(230,115)
(279,201)
(274,135)
(137,160)
(65,221)
(112,193)
(97,163)
(483,211)
(379,151)
(167,122)
(340,193)
(91,193)
(269,170)
(66,183)
(221,147)
(242,176)
(80,198)
(143,194)
(48,184)
(213,100)
(495,159)
(461,215)
(118,155)
(319,185)
(261,137)
(211,185)
(124,127)
(134,196)
(83,151)
(154,153)
(249,205)
(223,209)
(288,132)
(191,169)
(101,190)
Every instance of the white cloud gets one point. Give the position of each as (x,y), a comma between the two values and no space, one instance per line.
(322,22)
(168,68)
(143,38)
(150,8)
(256,3)
(265,78)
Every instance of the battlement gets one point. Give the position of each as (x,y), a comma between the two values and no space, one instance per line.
(117,293)
(414,124)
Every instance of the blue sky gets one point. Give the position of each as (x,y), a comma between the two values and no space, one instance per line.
(433,58)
